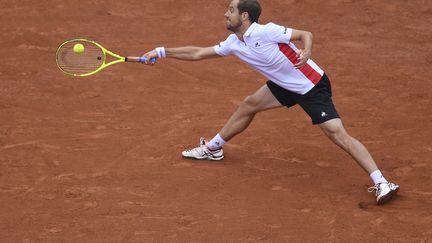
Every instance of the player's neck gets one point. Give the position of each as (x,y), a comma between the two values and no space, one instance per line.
(242,30)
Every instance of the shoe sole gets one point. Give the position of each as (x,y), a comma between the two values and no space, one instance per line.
(205,158)
(387,197)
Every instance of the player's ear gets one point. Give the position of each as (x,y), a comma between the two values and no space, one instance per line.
(245,16)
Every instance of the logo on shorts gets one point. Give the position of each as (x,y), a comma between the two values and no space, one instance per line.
(323,114)
(257,44)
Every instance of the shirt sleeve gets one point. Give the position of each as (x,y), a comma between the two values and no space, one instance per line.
(223,48)
(278,33)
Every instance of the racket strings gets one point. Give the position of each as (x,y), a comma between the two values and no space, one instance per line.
(80,63)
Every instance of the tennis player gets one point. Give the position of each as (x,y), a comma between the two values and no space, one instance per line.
(293,78)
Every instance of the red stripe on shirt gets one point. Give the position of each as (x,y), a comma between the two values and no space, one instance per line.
(307,70)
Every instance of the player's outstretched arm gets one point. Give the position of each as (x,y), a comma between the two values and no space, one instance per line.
(192,53)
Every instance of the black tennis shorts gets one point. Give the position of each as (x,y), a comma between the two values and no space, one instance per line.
(317,103)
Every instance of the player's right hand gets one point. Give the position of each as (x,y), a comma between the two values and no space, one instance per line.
(150,57)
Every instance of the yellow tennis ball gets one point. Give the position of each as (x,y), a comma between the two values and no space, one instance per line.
(78,48)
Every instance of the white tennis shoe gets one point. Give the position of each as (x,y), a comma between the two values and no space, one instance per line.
(384,191)
(203,152)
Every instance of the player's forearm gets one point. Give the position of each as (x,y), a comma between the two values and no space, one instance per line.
(307,39)
(184,53)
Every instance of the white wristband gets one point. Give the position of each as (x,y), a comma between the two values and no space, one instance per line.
(160,52)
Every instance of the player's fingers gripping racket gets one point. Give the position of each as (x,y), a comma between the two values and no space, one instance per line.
(81,57)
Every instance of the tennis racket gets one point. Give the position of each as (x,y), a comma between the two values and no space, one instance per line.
(92,59)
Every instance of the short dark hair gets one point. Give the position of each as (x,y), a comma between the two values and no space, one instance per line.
(252,7)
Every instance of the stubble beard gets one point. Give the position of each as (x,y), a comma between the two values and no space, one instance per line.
(234,28)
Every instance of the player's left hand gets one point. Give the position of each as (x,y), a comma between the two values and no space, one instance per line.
(302,57)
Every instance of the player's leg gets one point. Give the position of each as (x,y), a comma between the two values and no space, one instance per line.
(261,100)
(335,130)
(319,105)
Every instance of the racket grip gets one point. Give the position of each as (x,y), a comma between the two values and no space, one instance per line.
(144,59)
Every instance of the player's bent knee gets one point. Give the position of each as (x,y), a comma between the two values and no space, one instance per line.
(250,105)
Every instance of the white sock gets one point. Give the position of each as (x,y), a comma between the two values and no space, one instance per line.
(377,177)
(216,143)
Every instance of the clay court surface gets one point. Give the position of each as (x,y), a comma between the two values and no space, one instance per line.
(98,159)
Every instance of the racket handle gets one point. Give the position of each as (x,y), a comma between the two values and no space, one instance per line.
(144,59)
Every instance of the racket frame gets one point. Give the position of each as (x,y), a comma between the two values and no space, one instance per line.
(105,51)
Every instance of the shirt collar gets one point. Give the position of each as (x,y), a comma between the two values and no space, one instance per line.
(250,29)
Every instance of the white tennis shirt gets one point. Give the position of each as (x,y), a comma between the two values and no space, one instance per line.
(268,49)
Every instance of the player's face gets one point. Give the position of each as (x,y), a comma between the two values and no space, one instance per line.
(232,15)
